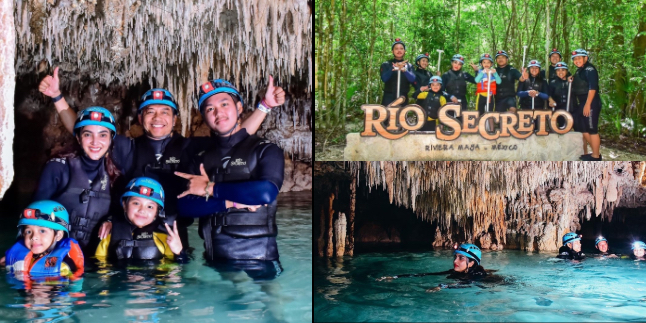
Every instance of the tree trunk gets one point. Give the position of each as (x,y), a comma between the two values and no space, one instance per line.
(639,44)
(566,39)
(547,36)
(457,29)
(344,43)
(372,49)
(619,67)
(329,89)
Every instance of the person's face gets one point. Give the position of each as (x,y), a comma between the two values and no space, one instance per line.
(555,58)
(534,71)
(158,120)
(95,141)
(221,113)
(140,211)
(502,61)
(435,87)
(486,63)
(580,60)
(456,66)
(638,252)
(561,73)
(398,51)
(576,245)
(461,263)
(423,63)
(39,239)
(602,246)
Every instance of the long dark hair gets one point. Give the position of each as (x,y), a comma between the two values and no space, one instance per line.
(75,150)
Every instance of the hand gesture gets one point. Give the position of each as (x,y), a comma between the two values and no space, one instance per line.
(454,99)
(570,79)
(474,66)
(424,88)
(525,74)
(173,240)
(196,183)
(275,95)
(105,229)
(552,102)
(50,85)
(438,73)
(533,93)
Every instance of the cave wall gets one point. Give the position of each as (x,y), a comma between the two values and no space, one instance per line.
(7,88)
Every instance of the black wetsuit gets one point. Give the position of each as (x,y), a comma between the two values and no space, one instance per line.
(157,159)
(506,90)
(248,170)
(566,252)
(422,78)
(586,78)
(432,105)
(388,76)
(455,84)
(475,274)
(558,91)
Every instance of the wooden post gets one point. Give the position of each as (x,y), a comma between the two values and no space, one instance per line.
(349,250)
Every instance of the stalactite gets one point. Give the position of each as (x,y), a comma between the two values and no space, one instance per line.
(518,198)
(353,201)
(329,225)
(340,227)
(176,43)
(7,90)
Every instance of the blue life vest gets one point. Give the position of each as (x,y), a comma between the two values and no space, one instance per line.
(49,265)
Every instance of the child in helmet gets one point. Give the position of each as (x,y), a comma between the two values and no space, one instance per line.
(45,249)
(435,99)
(135,235)
(571,248)
(485,86)
(558,90)
(422,77)
(638,249)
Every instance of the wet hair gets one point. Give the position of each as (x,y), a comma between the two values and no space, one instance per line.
(77,150)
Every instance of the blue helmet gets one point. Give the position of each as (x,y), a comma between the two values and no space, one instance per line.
(435,79)
(502,53)
(458,57)
(534,63)
(470,251)
(420,56)
(599,239)
(147,188)
(579,52)
(158,96)
(95,116)
(214,87)
(570,237)
(638,245)
(47,214)
(398,41)
(486,57)
(560,65)
(555,51)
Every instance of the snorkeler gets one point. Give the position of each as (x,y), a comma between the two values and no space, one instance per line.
(571,248)
(638,248)
(466,268)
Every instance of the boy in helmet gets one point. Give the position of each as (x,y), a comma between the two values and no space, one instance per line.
(435,99)
(506,90)
(422,78)
(389,70)
(45,249)
(571,248)
(135,235)
(585,88)
(455,81)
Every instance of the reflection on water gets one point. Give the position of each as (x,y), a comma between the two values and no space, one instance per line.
(171,292)
(536,287)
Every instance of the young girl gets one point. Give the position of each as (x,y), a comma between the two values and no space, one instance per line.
(44,250)
(558,91)
(638,248)
(422,77)
(532,86)
(486,87)
(81,180)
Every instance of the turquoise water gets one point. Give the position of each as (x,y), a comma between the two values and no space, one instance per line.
(180,293)
(538,287)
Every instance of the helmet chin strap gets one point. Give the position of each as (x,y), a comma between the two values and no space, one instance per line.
(230,131)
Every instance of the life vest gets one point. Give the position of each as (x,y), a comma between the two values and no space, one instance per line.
(507,87)
(560,92)
(87,204)
(146,164)
(19,258)
(484,85)
(422,77)
(123,245)
(239,164)
(456,85)
(533,84)
(433,102)
(579,85)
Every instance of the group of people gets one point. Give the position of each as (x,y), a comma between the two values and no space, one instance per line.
(496,88)
(468,269)
(131,199)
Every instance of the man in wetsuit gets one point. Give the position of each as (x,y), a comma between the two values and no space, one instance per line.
(389,70)
(571,248)
(506,91)
(554,57)
(602,245)
(585,88)
(235,166)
